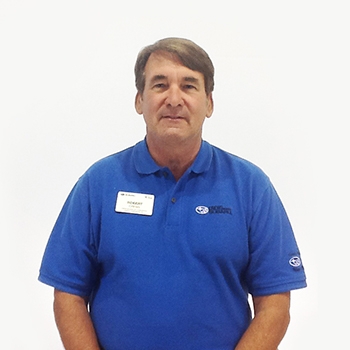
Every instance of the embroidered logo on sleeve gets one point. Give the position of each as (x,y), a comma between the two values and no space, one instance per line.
(295,261)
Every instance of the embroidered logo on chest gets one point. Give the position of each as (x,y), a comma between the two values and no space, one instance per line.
(215,209)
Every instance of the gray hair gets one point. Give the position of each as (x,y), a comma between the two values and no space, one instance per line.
(190,55)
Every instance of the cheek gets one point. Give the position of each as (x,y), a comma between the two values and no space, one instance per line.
(151,104)
(201,109)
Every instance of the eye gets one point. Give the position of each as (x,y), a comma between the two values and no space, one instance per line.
(159,86)
(189,87)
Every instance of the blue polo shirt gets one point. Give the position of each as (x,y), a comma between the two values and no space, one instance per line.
(178,277)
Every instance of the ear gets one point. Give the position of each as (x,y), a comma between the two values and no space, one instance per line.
(210,105)
(138,103)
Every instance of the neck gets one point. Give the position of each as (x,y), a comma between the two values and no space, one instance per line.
(177,156)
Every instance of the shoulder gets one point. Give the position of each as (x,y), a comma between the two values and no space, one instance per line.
(111,163)
(237,166)
(107,170)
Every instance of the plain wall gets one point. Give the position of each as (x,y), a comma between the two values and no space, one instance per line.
(67,100)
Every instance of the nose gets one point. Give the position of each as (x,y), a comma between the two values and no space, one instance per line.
(174,97)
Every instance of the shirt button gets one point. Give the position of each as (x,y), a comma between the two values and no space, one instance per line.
(173,200)
(165,174)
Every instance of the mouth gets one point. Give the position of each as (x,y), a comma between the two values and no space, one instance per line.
(173,117)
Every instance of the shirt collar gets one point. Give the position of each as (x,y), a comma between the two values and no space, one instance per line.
(145,164)
(203,160)
(143,161)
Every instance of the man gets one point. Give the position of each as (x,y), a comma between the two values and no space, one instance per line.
(158,246)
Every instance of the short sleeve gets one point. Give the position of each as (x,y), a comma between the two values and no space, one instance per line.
(275,264)
(70,259)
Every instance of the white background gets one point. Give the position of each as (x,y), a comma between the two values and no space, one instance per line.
(281,101)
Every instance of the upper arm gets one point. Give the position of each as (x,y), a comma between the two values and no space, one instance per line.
(73,322)
(63,299)
(270,322)
(278,304)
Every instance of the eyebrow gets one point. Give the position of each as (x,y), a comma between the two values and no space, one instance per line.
(158,77)
(188,79)
(191,80)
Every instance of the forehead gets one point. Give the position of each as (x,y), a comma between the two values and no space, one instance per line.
(168,65)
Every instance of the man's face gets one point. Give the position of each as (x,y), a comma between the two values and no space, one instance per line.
(174,102)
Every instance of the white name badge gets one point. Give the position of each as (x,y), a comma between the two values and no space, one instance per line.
(134,203)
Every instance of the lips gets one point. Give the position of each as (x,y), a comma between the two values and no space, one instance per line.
(172,117)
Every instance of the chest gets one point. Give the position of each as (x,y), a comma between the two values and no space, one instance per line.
(191,221)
